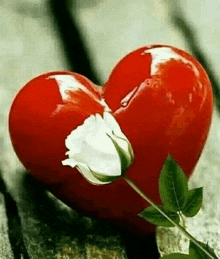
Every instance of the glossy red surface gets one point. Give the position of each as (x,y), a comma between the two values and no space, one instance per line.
(163,108)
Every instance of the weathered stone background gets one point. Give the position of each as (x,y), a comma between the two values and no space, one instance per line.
(30,45)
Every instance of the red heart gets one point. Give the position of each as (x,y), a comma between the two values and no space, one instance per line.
(162,99)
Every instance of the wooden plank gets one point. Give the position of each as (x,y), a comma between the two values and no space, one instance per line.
(5,247)
(51,229)
(41,226)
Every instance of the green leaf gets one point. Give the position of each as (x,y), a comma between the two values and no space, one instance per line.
(196,252)
(177,256)
(173,186)
(155,217)
(193,202)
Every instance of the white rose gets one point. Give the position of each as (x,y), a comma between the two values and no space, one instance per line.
(99,149)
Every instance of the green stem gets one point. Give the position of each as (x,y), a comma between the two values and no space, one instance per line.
(183,220)
(187,234)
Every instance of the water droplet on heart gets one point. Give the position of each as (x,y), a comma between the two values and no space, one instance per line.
(124,104)
(125,101)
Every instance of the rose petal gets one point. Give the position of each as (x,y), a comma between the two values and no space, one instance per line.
(91,148)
